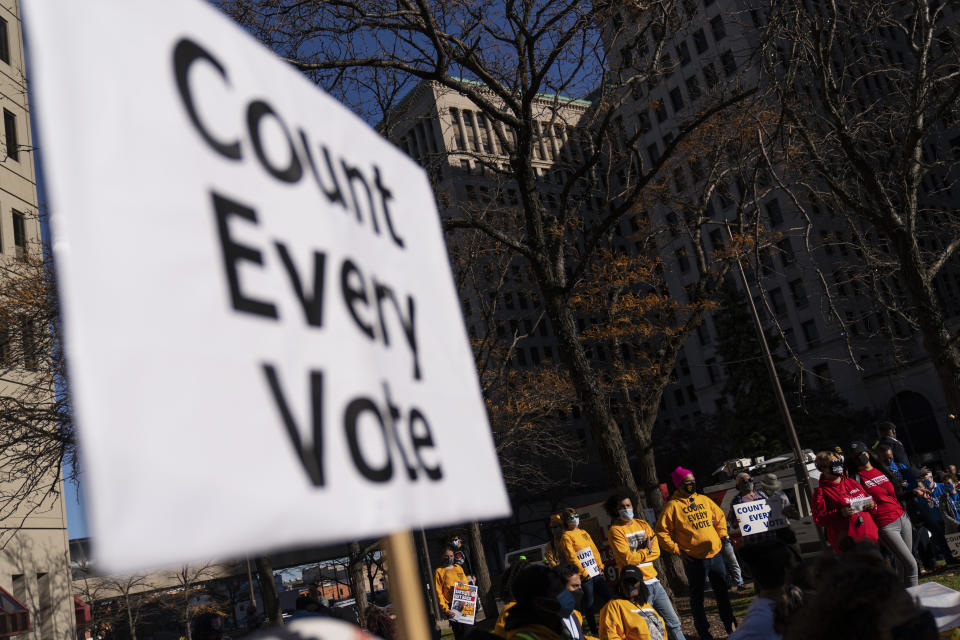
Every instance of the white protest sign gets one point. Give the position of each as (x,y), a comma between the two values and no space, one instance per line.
(464,603)
(266,347)
(588,562)
(759,516)
(859,504)
(953,541)
(316,628)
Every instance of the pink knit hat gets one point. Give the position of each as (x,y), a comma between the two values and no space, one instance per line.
(678,475)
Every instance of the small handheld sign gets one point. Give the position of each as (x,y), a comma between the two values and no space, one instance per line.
(464,603)
(266,347)
(760,516)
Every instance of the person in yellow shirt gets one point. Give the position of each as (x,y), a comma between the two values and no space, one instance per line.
(579,550)
(692,526)
(630,616)
(634,545)
(553,554)
(448,574)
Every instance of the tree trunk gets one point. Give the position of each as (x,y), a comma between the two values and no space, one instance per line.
(268,592)
(484,585)
(133,627)
(356,582)
(595,401)
(669,565)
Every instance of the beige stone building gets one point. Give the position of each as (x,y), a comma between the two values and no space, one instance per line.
(34,557)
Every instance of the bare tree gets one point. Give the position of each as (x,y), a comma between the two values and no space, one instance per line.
(868,97)
(191,598)
(36,424)
(132,591)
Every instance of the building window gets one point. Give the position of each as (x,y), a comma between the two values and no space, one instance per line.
(653,152)
(19,234)
(810,333)
(661,111)
(798,293)
(774,213)
(457,137)
(717,29)
(700,41)
(786,252)
(729,63)
(683,261)
(465,165)
(778,302)
(471,193)
(712,370)
(822,373)
(683,51)
(676,99)
(693,87)
(28,344)
(10,131)
(4,42)
(710,75)
(678,397)
(4,345)
(716,240)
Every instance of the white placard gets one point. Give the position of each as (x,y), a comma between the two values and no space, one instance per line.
(859,504)
(266,347)
(589,563)
(313,629)
(464,603)
(759,516)
(953,541)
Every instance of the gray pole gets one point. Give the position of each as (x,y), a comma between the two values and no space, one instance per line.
(800,468)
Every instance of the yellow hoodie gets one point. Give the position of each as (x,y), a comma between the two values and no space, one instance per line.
(443,580)
(623,620)
(693,525)
(580,551)
(629,545)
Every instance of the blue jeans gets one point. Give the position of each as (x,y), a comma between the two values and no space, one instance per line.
(596,585)
(733,567)
(660,601)
(714,569)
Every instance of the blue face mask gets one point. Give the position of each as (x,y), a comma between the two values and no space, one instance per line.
(567,603)
(626,514)
(449,560)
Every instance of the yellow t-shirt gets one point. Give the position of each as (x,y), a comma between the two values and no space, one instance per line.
(693,525)
(443,580)
(628,543)
(580,551)
(623,620)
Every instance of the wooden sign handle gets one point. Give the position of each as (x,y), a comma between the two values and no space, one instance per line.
(406,592)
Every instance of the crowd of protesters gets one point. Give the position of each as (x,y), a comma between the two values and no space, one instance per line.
(884,520)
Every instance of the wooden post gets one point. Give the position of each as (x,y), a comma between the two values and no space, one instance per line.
(406,592)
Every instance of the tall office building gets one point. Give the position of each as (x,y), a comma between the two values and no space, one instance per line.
(716,51)
(34,556)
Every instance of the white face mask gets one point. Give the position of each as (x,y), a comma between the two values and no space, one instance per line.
(626,514)
(574,521)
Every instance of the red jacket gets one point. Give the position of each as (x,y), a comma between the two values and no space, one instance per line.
(884,495)
(828,499)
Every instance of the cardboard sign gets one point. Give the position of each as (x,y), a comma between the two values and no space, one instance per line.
(464,603)
(588,562)
(760,516)
(260,318)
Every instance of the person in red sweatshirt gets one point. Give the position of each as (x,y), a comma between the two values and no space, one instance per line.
(894,526)
(840,505)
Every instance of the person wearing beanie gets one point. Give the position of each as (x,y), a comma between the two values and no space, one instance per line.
(629,616)
(692,526)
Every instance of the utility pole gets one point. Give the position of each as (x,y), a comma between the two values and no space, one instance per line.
(800,468)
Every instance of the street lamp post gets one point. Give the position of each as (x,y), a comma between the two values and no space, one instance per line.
(800,468)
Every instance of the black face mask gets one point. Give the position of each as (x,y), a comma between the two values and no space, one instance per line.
(836,468)
(864,459)
(690,487)
(578,597)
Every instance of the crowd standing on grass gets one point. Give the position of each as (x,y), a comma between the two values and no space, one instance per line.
(885,522)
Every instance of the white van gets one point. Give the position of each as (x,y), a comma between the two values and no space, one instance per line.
(782,466)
